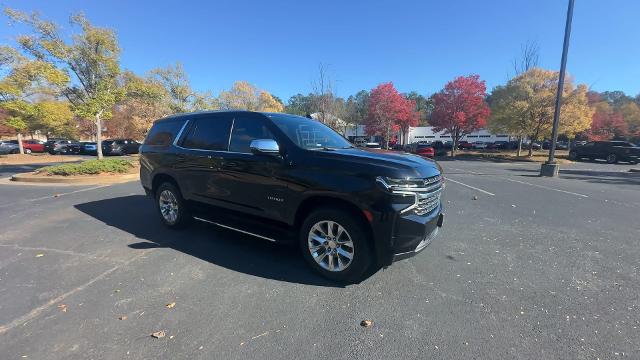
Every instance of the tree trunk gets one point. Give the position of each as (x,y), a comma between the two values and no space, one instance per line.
(388,135)
(19,135)
(99,136)
(453,147)
(569,144)
(531,148)
(519,146)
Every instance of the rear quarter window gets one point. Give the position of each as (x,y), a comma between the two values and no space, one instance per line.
(163,133)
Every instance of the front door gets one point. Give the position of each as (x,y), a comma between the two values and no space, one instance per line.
(251,178)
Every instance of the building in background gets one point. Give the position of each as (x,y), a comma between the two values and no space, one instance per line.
(424,134)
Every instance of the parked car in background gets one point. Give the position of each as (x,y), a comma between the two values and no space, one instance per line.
(32,146)
(120,147)
(465,145)
(373,145)
(8,147)
(425,150)
(611,151)
(499,145)
(62,146)
(479,145)
(88,148)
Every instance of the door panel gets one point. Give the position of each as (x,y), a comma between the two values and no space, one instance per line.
(201,157)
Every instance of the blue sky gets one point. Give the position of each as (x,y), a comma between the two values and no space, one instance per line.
(419,45)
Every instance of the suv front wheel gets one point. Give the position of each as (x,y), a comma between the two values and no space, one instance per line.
(171,206)
(335,244)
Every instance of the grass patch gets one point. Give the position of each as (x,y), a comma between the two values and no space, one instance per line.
(90,167)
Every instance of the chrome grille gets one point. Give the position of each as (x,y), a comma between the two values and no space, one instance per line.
(428,196)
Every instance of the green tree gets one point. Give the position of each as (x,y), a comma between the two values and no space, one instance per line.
(91,56)
(181,97)
(26,92)
(300,104)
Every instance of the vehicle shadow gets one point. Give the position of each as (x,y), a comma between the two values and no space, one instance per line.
(136,215)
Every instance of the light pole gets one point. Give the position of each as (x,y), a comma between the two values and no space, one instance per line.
(551,168)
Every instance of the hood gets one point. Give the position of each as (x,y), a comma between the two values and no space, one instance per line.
(385,162)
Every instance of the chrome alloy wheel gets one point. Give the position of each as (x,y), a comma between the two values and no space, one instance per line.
(168,206)
(330,245)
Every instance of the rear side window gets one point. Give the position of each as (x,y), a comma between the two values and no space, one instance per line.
(246,130)
(209,134)
(163,133)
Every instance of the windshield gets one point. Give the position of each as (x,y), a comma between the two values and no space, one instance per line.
(309,133)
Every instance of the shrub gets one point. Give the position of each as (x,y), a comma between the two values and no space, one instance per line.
(90,167)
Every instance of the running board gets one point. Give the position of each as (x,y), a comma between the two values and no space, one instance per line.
(234,229)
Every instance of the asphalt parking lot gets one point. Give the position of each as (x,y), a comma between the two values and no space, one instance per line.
(525,268)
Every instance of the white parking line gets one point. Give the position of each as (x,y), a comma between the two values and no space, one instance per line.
(546,187)
(67,193)
(470,187)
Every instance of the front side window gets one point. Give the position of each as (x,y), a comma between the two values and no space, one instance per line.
(308,133)
(246,130)
(209,134)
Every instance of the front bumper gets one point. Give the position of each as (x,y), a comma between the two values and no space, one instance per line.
(416,237)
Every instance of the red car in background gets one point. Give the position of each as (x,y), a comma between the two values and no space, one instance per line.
(32,146)
(425,150)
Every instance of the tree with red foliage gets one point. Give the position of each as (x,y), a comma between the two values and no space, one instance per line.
(389,112)
(607,125)
(460,108)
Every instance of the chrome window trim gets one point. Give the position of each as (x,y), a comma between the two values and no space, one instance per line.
(175,141)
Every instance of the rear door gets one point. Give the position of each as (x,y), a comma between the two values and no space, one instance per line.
(251,179)
(200,159)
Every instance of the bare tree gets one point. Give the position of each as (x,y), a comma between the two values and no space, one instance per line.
(529,58)
(323,91)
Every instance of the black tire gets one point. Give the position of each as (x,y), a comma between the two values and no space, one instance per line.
(612,159)
(183,216)
(362,255)
(573,155)
(27,151)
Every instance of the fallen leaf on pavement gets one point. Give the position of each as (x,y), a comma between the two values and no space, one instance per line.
(62,307)
(123,317)
(116,290)
(475,198)
(170,305)
(366,323)
(158,334)
(39,255)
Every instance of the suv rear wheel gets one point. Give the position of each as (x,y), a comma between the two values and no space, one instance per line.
(335,244)
(171,206)
(612,159)
(573,155)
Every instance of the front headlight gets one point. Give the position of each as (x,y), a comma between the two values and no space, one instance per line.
(398,185)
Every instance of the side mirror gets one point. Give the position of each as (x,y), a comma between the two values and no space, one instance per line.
(264,147)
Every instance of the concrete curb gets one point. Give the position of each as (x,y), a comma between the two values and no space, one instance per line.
(100,179)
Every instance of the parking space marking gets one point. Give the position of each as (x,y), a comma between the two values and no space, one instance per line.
(547,187)
(67,193)
(58,251)
(470,187)
(37,311)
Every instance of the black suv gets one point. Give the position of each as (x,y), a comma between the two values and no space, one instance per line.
(61,146)
(286,178)
(120,147)
(611,151)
